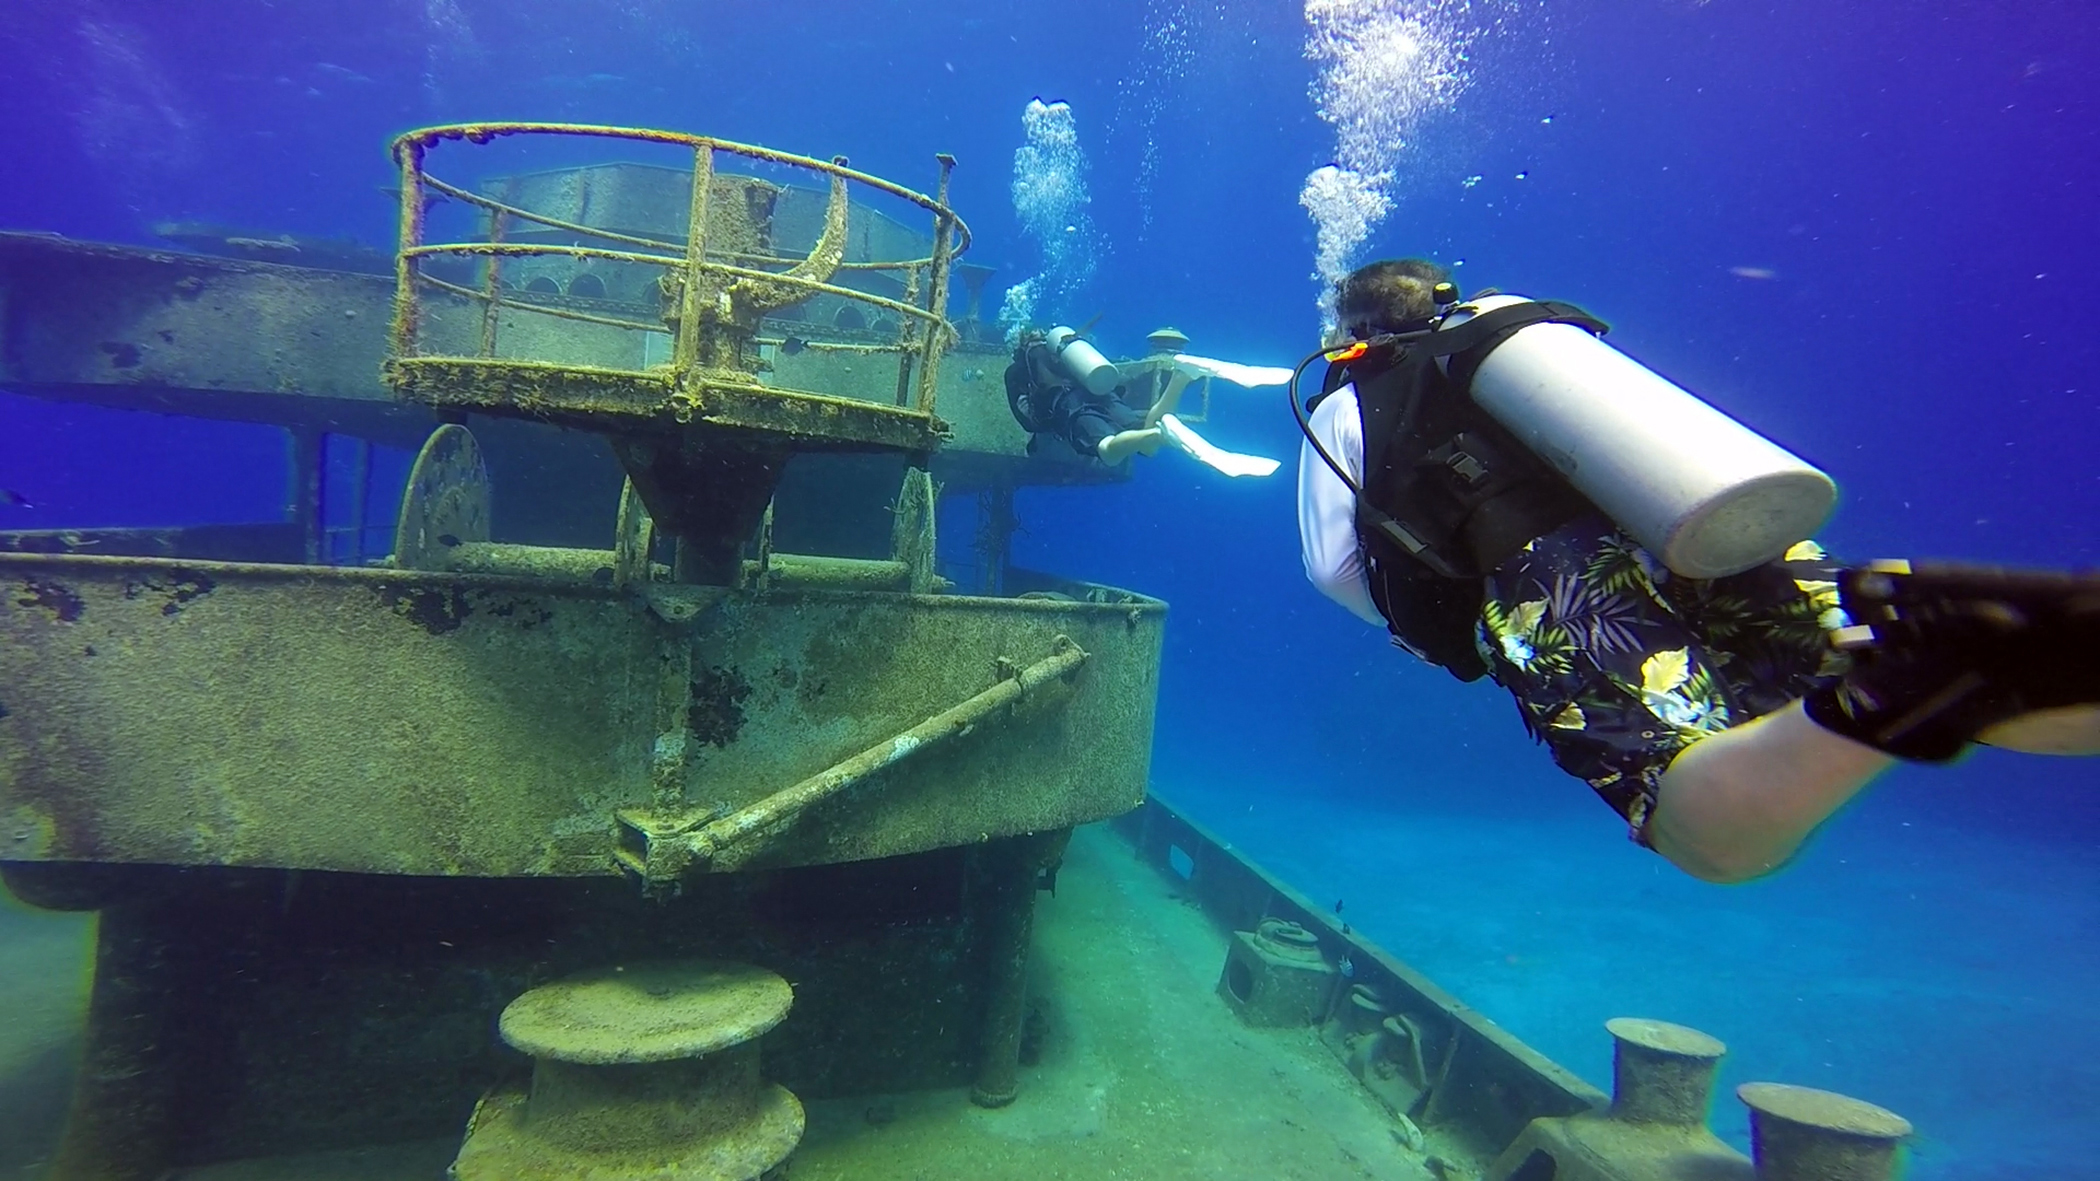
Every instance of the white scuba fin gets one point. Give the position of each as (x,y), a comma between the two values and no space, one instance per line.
(1250,376)
(1229,462)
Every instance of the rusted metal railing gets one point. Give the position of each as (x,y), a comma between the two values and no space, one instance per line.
(696,268)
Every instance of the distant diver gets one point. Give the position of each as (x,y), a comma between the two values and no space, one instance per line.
(1060,387)
(1512,498)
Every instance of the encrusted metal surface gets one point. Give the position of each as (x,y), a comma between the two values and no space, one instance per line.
(214,337)
(446,504)
(421,723)
(173,332)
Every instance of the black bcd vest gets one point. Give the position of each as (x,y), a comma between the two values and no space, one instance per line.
(1024,393)
(1448,492)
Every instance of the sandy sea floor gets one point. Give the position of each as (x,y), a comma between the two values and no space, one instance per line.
(1144,1073)
(1946,975)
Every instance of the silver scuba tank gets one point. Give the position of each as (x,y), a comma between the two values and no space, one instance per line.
(1084,362)
(1703,493)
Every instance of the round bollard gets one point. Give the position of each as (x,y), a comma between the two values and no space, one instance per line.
(643,1070)
(1802,1134)
(1661,1073)
(1287,939)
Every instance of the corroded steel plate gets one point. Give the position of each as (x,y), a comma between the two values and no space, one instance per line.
(396,721)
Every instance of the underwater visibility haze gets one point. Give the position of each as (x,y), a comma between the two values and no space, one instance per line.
(1864,228)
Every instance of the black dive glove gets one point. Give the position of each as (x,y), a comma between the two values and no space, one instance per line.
(1942,652)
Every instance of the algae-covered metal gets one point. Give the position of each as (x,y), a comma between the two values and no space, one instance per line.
(411,722)
(712,287)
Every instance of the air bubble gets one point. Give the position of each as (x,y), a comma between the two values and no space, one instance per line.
(1382,70)
(1050,197)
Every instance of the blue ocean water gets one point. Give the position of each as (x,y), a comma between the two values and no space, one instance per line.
(1866,229)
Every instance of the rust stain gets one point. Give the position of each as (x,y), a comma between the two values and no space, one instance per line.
(64,605)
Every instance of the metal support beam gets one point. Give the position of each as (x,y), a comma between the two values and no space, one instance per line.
(304,452)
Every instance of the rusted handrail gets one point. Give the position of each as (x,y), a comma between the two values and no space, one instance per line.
(480,133)
(927,335)
(526,249)
(675,248)
(519,301)
(729,837)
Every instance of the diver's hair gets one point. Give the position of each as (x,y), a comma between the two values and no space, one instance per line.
(1027,338)
(1387,296)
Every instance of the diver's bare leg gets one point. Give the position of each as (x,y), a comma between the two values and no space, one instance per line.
(1944,656)
(2067,730)
(1121,446)
(1168,399)
(1736,805)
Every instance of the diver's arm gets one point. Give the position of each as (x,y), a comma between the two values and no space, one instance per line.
(1737,804)
(1327,508)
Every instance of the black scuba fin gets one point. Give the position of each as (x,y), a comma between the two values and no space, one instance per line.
(1943,652)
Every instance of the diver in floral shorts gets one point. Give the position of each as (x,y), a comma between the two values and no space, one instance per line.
(1617,666)
(1724,718)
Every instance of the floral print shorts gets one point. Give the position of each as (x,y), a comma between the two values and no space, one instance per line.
(1617,664)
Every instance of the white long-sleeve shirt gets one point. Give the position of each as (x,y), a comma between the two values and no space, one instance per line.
(1334,561)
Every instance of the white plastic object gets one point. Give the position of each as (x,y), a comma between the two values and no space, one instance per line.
(1250,376)
(1199,448)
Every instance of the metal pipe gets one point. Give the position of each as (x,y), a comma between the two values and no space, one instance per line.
(907,337)
(675,248)
(409,154)
(1003,878)
(360,496)
(529,561)
(528,249)
(937,293)
(685,349)
(809,570)
(492,278)
(783,571)
(713,843)
(304,483)
(482,133)
(526,305)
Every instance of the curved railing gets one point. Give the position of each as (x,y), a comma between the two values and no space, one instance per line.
(924,329)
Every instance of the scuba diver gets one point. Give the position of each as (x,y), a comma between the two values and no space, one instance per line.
(1060,387)
(1512,498)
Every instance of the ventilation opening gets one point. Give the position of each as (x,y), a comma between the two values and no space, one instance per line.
(587,287)
(849,317)
(544,286)
(1178,860)
(1536,1167)
(1239,981)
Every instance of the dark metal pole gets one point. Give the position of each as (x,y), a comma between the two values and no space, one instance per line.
(1003,881)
